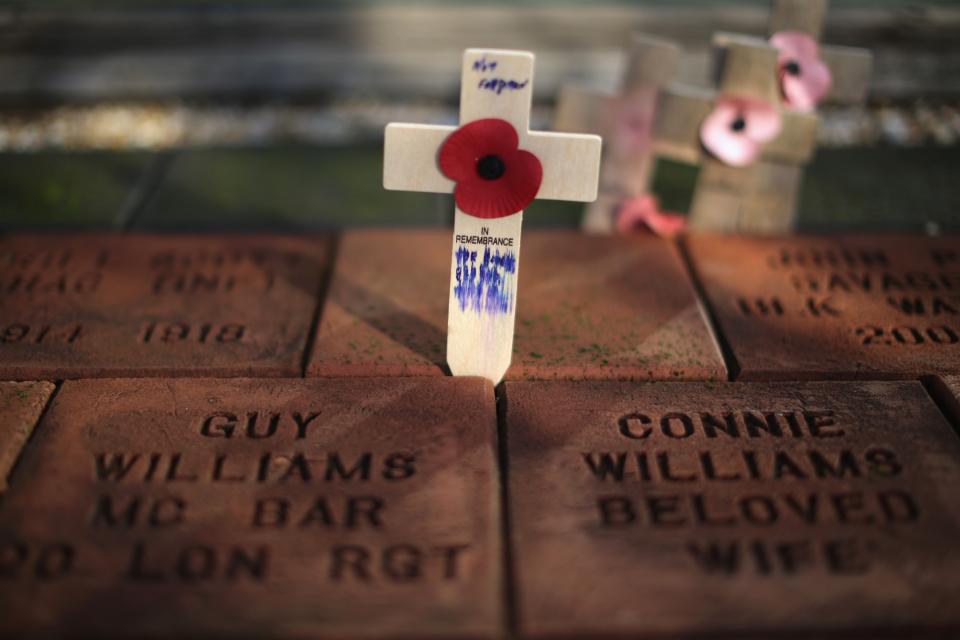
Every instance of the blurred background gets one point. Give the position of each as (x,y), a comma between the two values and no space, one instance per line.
(200,114)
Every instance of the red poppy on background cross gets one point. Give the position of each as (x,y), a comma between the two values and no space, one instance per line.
(495,166)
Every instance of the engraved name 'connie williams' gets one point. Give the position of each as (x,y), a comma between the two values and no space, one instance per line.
(779,467)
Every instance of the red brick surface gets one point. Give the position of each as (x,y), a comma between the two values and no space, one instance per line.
(364,502)
(588,307)
(813,509)
(21,404)
(245,508)
(136,305)
(386,310)
(834,307)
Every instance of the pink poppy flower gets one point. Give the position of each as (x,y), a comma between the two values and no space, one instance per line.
(804,78)
(643,212)
(737,128)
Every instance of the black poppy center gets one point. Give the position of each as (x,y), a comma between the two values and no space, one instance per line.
(792,67)
(739,124)
(490,167)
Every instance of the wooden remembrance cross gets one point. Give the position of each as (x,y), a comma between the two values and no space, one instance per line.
(625,121)
(754,198)
(850,68)
(485,257)
(761,198)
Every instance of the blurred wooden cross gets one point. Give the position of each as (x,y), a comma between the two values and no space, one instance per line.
(736,198)
(761,197)
(625,121)
(496,90)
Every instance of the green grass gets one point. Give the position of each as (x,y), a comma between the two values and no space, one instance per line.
(307,187)
(876,188)
(295,187)
(882,188)
(67,190)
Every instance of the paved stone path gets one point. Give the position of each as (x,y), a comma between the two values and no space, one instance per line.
(251,435)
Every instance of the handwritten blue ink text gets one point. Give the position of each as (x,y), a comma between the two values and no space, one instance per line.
(497,85)
(487,286)
(484,65)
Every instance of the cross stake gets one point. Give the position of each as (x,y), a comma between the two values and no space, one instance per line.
(485,262)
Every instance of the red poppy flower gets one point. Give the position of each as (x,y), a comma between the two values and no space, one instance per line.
(643,212)
(494,177)
(737,128)
(804,78)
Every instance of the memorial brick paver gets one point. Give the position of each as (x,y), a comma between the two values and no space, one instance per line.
(138,305)
(385,312)
(834,307)
(256,508)
(678,509)
(21,404)
(591,307)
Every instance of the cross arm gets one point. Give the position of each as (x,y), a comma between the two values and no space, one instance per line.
(676,124)
(851,68)
(410,158)
(681,111)
(571,164)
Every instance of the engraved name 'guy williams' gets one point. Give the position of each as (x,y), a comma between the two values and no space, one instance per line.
(329,500)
